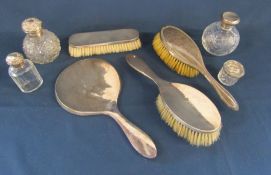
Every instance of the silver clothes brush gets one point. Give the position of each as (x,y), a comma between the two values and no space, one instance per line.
(103,42)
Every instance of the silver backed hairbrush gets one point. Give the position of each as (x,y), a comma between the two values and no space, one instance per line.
(190,113)
(103,42)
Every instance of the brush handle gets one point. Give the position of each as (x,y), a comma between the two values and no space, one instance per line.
(224,95)
(141,142)
(139,65)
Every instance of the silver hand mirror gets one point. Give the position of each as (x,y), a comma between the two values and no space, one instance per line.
(91,87)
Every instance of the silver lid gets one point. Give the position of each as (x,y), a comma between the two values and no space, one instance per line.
(15,59)
(229,19)
(32,26)
(234,68)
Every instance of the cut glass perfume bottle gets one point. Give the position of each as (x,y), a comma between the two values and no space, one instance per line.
(23,72)
(221,37)
(40,45)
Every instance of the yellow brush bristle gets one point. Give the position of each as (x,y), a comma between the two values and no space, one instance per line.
(193,137)
(104,49)
(173,63)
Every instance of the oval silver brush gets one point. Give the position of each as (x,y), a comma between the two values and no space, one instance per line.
(190,113)
(103,42)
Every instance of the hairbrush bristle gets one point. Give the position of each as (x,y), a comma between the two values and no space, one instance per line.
(193,137)
(173,63)
(81,51)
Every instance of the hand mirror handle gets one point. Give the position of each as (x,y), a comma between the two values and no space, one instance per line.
(141,142)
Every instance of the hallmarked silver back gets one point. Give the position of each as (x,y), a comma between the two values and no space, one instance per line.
(191,107)
(181,46)
(89,86)
(92,86)
(103,37)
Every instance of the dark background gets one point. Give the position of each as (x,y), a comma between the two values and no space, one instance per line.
(38,137)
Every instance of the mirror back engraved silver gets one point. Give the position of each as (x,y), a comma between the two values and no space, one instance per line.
(90,87)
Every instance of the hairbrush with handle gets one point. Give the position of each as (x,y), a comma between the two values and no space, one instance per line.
(190,113)
(177,48)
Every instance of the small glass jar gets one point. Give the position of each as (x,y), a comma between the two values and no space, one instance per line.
(23,72)
(231,72)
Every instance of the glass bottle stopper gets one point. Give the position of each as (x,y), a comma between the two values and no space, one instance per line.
(229,19)
(32,26)
(15,59)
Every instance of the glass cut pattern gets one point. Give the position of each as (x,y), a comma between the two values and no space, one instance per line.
(43,49)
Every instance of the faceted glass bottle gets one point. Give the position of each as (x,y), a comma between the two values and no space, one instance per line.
(222,38)
(40,45)
(23,72)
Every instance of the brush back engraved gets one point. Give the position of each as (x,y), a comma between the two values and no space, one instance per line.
(181,46)
(198,112)
(103,37)
(88,87)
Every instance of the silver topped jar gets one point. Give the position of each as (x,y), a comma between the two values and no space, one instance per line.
(231,72)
